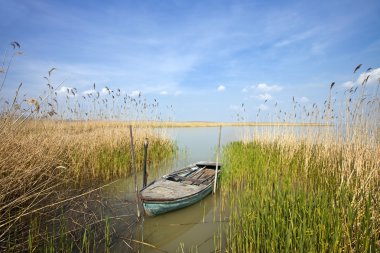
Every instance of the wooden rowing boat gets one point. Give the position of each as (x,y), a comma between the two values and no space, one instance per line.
(179,189)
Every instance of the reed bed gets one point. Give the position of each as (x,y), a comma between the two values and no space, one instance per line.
(308,189)
(280,203)
(58,151)
(47,162)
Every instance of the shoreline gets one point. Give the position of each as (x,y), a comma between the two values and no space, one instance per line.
(170,124)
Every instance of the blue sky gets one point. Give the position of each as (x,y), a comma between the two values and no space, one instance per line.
(205,58)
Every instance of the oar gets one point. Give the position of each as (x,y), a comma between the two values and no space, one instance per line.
(217,159)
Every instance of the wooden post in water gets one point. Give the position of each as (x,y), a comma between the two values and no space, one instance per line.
(217,159)
(134,170)
(145,176)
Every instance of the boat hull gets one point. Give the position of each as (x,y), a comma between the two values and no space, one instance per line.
(153,208)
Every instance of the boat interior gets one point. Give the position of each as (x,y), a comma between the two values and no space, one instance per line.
(194,175)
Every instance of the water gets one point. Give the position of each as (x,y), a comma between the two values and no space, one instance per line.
(193,228)
(189,228)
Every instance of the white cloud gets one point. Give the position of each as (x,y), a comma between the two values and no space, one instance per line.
(266,87)
(63,89)
(374,75)
(106,91)
(69,91)
(373,78)
(265,96)
(221,88)
(297,37)
(348,84)
(304,100)
(88,92)
(164,92)
(244,90)
(135,93)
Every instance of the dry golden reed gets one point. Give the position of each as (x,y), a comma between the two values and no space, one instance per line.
(56,147)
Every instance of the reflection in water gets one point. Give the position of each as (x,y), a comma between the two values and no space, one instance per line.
(190,226)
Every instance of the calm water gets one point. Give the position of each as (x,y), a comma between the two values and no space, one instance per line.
(192,228)
(189,228)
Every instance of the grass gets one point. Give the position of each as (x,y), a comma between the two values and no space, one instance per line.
(275,205)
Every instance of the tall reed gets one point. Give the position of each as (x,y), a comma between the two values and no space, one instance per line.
(310,189)
(56,149)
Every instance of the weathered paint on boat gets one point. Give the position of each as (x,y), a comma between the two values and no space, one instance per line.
(156,208)
(179,189)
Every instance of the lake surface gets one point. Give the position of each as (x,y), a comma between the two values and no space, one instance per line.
(196,227)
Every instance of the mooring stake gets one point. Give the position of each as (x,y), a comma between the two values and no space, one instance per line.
(134,170)
(217,159)
(145,176)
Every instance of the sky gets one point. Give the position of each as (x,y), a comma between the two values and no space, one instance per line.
(208,60)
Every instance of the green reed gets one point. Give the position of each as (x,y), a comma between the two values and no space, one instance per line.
(60,237)
(276,206)
(107,162)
